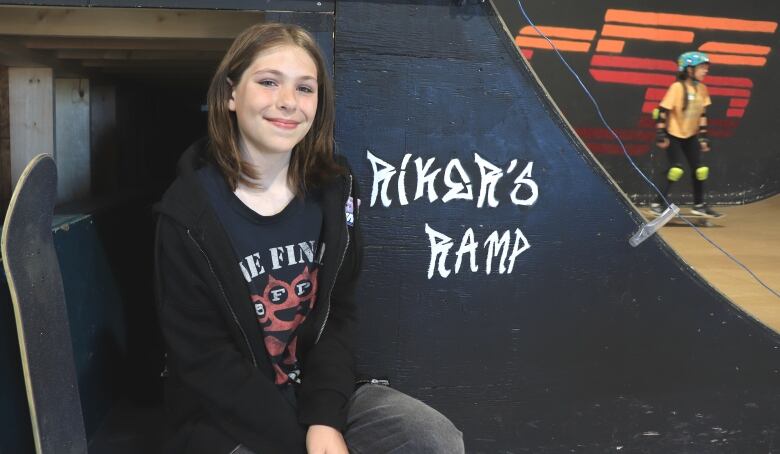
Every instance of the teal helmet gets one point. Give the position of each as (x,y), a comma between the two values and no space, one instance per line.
(691,59)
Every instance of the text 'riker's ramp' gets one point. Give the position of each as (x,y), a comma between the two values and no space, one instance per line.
(498,281)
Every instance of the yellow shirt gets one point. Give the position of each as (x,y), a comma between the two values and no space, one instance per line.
(684,124)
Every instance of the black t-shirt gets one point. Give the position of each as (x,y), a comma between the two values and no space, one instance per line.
(279,256)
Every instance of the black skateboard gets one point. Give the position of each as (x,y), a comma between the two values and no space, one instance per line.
(35,282)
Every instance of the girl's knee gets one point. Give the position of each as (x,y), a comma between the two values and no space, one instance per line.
(415,426)
(430,431)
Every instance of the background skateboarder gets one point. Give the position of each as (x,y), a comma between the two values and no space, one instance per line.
(681,130)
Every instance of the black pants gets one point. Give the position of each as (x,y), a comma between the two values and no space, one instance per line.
(691,150)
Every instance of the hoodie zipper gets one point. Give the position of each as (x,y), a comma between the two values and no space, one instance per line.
(224,297)
(373,381)
(341,262)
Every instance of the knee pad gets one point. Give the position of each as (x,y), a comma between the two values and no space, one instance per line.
(702,173)
(675,173)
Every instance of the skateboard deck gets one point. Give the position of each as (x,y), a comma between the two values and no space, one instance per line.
(35,283)
(700,221)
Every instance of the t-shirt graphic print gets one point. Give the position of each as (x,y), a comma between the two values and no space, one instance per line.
(282,305)
(279,257)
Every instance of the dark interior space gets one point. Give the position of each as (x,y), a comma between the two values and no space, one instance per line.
(146,101)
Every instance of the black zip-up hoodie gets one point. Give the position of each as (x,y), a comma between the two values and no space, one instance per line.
(220,388)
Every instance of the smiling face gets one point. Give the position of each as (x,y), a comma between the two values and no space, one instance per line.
(275,101)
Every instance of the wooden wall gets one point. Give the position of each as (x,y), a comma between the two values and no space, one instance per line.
(31,103)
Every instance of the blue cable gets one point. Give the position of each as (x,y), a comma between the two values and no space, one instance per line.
(628,157)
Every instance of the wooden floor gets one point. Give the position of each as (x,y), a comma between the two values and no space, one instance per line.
(751,233)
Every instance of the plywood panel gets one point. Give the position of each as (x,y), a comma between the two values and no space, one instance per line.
(72,142)
(31,114)
(105,157)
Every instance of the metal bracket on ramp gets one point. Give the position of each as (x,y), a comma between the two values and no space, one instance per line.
(649,228)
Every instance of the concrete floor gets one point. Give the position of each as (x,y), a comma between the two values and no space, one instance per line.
(751,233)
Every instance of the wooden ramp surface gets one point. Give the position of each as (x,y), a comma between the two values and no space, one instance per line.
(751,233)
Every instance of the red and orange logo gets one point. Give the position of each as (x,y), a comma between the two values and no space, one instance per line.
(609,64)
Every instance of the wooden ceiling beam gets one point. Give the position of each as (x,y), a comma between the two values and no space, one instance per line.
(199,65)
(138,55)
(155,72)
(215,45)
(124,22)
(14,54)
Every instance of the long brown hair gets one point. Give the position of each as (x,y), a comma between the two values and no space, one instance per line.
(682,76)
(311,162)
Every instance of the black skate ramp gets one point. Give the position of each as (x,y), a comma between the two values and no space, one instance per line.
(498,282)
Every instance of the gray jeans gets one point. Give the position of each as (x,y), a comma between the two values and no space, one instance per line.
(381,420)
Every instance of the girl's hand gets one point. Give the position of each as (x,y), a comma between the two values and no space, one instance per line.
(705,146)
(325,440)
(663,144)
